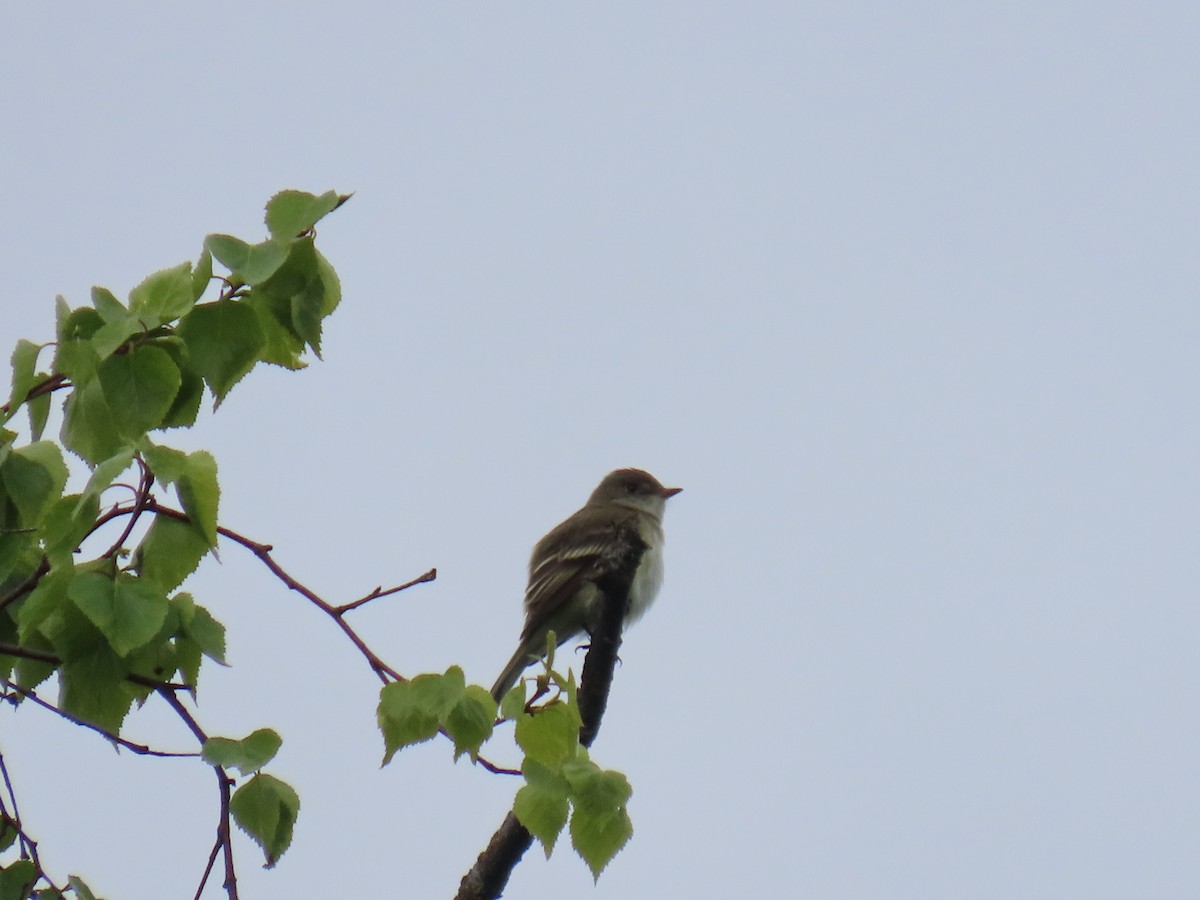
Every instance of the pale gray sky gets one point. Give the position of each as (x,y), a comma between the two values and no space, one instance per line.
(903,295)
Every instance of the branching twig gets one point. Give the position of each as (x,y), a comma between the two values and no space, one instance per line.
(140,749)
(224,841)
(13,820)
(51,384)
(379,592)
(488,877)
(141,497)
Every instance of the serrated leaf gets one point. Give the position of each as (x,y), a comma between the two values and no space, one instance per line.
(296,294)
(66,524)
(42,602)
(266,809)
(282,346)
(167,463)
(112,335)
(550,735)
(600,823)
(108,306)
(247,755)
(88,428)
(170,552)
(333,284)
(104,474)
(77,359)
(17,880)
(471,720)
(200,494)
(24,377)
(223,340)
(32,672)
(541,804)
(128,611)
(289,213)
(198,625)
(513,703)
(34,476)
(163,297)
(82,891)
(411,711)
(248,263)
(93,688)
(201,275)
(39,412)
(186,405)
(8,832)
(140,387)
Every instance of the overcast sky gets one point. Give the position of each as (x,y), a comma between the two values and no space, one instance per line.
(903,295)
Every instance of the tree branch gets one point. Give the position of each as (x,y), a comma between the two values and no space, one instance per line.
(487,879)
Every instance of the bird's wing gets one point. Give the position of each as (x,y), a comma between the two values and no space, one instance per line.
(578,550)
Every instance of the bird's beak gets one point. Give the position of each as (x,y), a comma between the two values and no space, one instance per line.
(669,492)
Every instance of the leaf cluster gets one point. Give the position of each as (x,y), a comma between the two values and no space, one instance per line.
(111,623)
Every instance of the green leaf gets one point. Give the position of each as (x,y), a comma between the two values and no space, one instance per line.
(17,880)
(77,359)
(282,347)
(600,824)
(104,475)
(541,804)
(32,672)
(248,263)
(34,476)
(513,703)
(223,341)
(82,891)
(163,296)
(140,387)
(201,275)
(88,428)
(39,412)
(108,306)
(199,493)
(24,377)
(470,721)
(119,323)
(43,602)
(247,755)
(128,611)
(296,294)
(77,324)
(551,734)
(411,711)
(167,464)
(93,688)
(198,624)
(65,525)
(289,213)
(266,809)
(333,284)
(186,404)
(170,552)
(8,832)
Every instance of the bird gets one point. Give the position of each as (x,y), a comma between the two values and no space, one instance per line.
(562,596)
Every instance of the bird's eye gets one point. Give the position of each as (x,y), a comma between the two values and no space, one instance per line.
(631,487)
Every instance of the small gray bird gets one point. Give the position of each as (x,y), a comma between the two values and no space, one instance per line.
(562,596)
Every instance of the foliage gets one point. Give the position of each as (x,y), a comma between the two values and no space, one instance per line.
(93,603)
(105,618)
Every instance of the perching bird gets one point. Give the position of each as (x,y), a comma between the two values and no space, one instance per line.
(562,596)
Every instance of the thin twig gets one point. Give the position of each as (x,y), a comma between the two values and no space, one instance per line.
(140,749)
(224,832)
(379,592)
(53,383)
(141,499)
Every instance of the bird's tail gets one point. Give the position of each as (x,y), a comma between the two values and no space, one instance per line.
(520,660)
